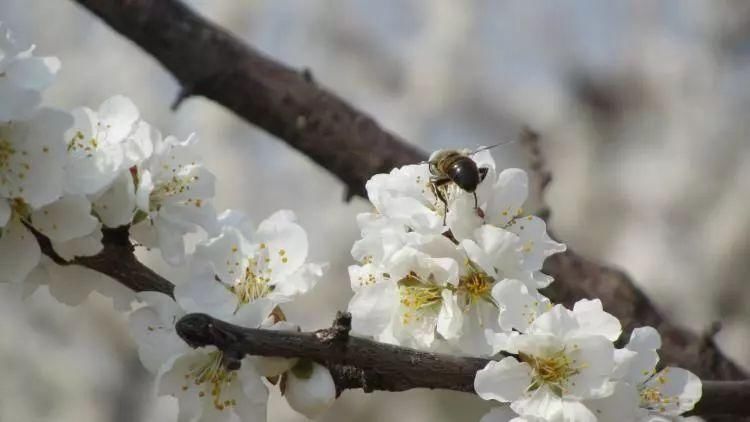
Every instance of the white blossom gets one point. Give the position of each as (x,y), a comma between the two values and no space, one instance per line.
(241,277)
(102,143)
(209,392)
(643,394)
(206,388)
(560,361)
(411,301)
(22,77)
(173,195)
(32,153)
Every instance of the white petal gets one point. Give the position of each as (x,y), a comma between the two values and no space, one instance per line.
(285,242)
(252,406)
(372,308)
(620,406)
(94,158)
(542,403)
(595,356)
(153,330)
(576,411)
(311,396)
(536,245)
(505,414)
(117,114)
(644,338)
(594,321)
(19,252)
(139,145)
(518,306)
(558,321)
(505,381)
(35,73)
(450,318)
(71,284)
(226,254)
(238,220)
(680,389)
(143,193)
(204,294)
(25,101)
(297,283)
(510,192)
(66,219)
(88,245)
(462,217)
(115,207)
(42,154)
(252,314)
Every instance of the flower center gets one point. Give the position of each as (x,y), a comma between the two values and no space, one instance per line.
(174,186)
(652,397)
(78,143)
(211,378)
(418,296)
(474,286)
(255,281)
(554,370)
(14,165)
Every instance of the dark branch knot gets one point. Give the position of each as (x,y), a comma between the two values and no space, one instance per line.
(339,331)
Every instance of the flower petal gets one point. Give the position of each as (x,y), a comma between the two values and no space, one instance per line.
(504,381)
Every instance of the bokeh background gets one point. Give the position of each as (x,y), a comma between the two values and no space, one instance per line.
(643,106)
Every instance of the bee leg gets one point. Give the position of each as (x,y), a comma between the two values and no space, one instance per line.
(436,184)
(483,173)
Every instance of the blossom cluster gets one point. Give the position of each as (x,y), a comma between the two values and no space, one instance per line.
(65,176)
(446,269)
(440,268)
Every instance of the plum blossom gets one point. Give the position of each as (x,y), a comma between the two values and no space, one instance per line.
(32,153)
(103,143)
(497,250)
(173,197)
(641,392)
(412,301)
(241,274)
(206,387)
(563,358)
(22,77)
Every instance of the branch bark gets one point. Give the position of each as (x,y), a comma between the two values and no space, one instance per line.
(117,260)
(360,363)
(284,102)
(211,62)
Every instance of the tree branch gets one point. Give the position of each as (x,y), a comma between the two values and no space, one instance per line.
(117,260)
(211,62)
(360,363)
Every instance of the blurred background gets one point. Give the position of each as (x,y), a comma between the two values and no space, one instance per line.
(643,107)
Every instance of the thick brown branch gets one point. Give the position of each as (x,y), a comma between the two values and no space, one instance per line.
(213,63)
(359,363)
(116,260)
(209,61)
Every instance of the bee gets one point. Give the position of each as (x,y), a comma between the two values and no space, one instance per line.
(456,166)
